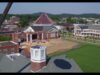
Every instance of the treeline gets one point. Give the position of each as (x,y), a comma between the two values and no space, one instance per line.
(54,16)
(89,15)
(32,16)
(26,18)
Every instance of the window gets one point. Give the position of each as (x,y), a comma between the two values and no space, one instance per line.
(36,53)
(42,53)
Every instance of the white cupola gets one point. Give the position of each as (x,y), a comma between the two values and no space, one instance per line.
(38,57)
(38,53)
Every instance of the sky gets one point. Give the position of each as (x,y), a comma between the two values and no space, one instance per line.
(53,8)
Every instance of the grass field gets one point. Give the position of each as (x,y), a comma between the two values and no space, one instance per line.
(87,56)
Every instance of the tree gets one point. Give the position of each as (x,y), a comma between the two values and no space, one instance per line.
(24,21)
(55,18)
(82,21)
(71,20)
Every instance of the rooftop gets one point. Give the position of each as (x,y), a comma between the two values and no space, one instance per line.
(16,65)
(43,28)
(7,43)
(88,26)
(64,65)
(38,46)
(44,19)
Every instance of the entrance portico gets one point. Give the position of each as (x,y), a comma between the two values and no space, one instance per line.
(30,36)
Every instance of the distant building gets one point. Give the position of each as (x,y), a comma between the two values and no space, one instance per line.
(69,27)
(43,28)
(87,30)
(10,28)
(11,24)
(14,20)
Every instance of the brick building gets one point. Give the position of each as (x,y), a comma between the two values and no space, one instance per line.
(43,28)
(9,47)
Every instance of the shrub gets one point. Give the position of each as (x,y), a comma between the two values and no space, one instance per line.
(5,38)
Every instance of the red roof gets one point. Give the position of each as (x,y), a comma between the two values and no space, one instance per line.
(44,19)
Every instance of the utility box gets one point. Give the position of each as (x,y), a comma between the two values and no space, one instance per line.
(38,57)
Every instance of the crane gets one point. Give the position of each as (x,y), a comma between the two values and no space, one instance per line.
(5,12)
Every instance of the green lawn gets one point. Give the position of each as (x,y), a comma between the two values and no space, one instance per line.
(87,56)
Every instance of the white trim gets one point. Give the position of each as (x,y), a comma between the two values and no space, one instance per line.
(27,37)
(13,42)
(29,29)
(13,55)
(31,38)
(38,61)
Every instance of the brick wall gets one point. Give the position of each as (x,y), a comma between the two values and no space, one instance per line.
(26,52)
(37,66)
(9,49)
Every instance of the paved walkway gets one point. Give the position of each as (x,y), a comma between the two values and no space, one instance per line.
(51,67)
